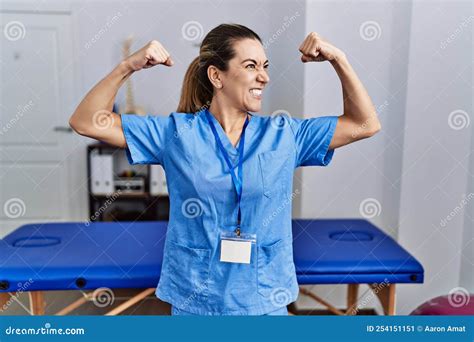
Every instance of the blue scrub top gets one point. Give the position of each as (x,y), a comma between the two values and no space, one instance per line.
(203,203)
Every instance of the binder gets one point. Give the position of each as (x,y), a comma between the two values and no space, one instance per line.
(102,175)
(158,185)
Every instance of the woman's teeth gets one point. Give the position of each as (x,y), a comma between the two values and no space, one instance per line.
(257,93)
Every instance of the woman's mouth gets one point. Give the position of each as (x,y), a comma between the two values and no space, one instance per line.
(256,93)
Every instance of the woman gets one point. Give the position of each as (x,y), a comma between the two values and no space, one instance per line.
(228,248)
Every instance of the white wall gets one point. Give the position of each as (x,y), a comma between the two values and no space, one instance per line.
(467,263)
(436,157)
(466,276)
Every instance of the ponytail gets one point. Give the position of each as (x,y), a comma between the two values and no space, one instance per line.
(193,94)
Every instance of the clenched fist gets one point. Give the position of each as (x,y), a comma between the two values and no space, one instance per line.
(148,56)
(315,49)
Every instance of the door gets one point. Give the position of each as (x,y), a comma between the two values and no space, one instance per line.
(36,144)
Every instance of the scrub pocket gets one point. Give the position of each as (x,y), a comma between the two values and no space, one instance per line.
(188,270)
(276,270)
(177,312)
(276,172)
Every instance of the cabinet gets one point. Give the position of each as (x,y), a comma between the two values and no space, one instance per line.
(118,191)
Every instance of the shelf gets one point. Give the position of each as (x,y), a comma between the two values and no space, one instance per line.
(104,145)
(128,195)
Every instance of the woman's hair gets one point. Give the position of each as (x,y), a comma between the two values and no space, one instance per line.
(216,49)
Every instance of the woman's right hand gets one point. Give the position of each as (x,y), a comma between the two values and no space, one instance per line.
(148,56)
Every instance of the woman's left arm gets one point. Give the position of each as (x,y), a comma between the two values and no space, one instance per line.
(359,120)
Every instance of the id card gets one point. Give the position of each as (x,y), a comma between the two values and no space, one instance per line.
(236,248)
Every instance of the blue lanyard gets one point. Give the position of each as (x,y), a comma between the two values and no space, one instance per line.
(237,181)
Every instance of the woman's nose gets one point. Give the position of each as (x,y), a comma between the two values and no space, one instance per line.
(263,77)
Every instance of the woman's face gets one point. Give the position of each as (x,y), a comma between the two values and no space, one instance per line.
(244,81)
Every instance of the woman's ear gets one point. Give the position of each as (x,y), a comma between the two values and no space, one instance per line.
(214,76)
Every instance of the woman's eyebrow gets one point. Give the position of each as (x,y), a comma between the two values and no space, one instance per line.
(253,61)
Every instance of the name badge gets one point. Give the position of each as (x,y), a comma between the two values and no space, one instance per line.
(236,248)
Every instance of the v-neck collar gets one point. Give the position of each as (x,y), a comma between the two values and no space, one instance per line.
(225,139)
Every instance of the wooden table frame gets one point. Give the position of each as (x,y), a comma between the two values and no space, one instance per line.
(385,294)
(37,303)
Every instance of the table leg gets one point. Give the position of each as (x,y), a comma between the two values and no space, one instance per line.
(36,302)
(352,294)
(77,303)
(124,306)
(386,295)
(318,299)
(4,297)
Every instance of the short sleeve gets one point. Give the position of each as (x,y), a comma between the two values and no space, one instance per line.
(312,139)
(145,137)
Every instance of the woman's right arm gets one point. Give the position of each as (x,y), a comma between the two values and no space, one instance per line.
(94,117)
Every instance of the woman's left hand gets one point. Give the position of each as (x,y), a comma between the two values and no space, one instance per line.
(315,49)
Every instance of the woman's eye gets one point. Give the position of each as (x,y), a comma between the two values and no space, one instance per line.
(252,66)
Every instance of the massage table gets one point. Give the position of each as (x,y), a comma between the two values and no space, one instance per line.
(101,256)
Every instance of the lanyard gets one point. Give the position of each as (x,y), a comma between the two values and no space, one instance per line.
(237,181)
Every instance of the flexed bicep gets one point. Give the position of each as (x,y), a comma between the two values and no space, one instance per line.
(348,131)
(106,126)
